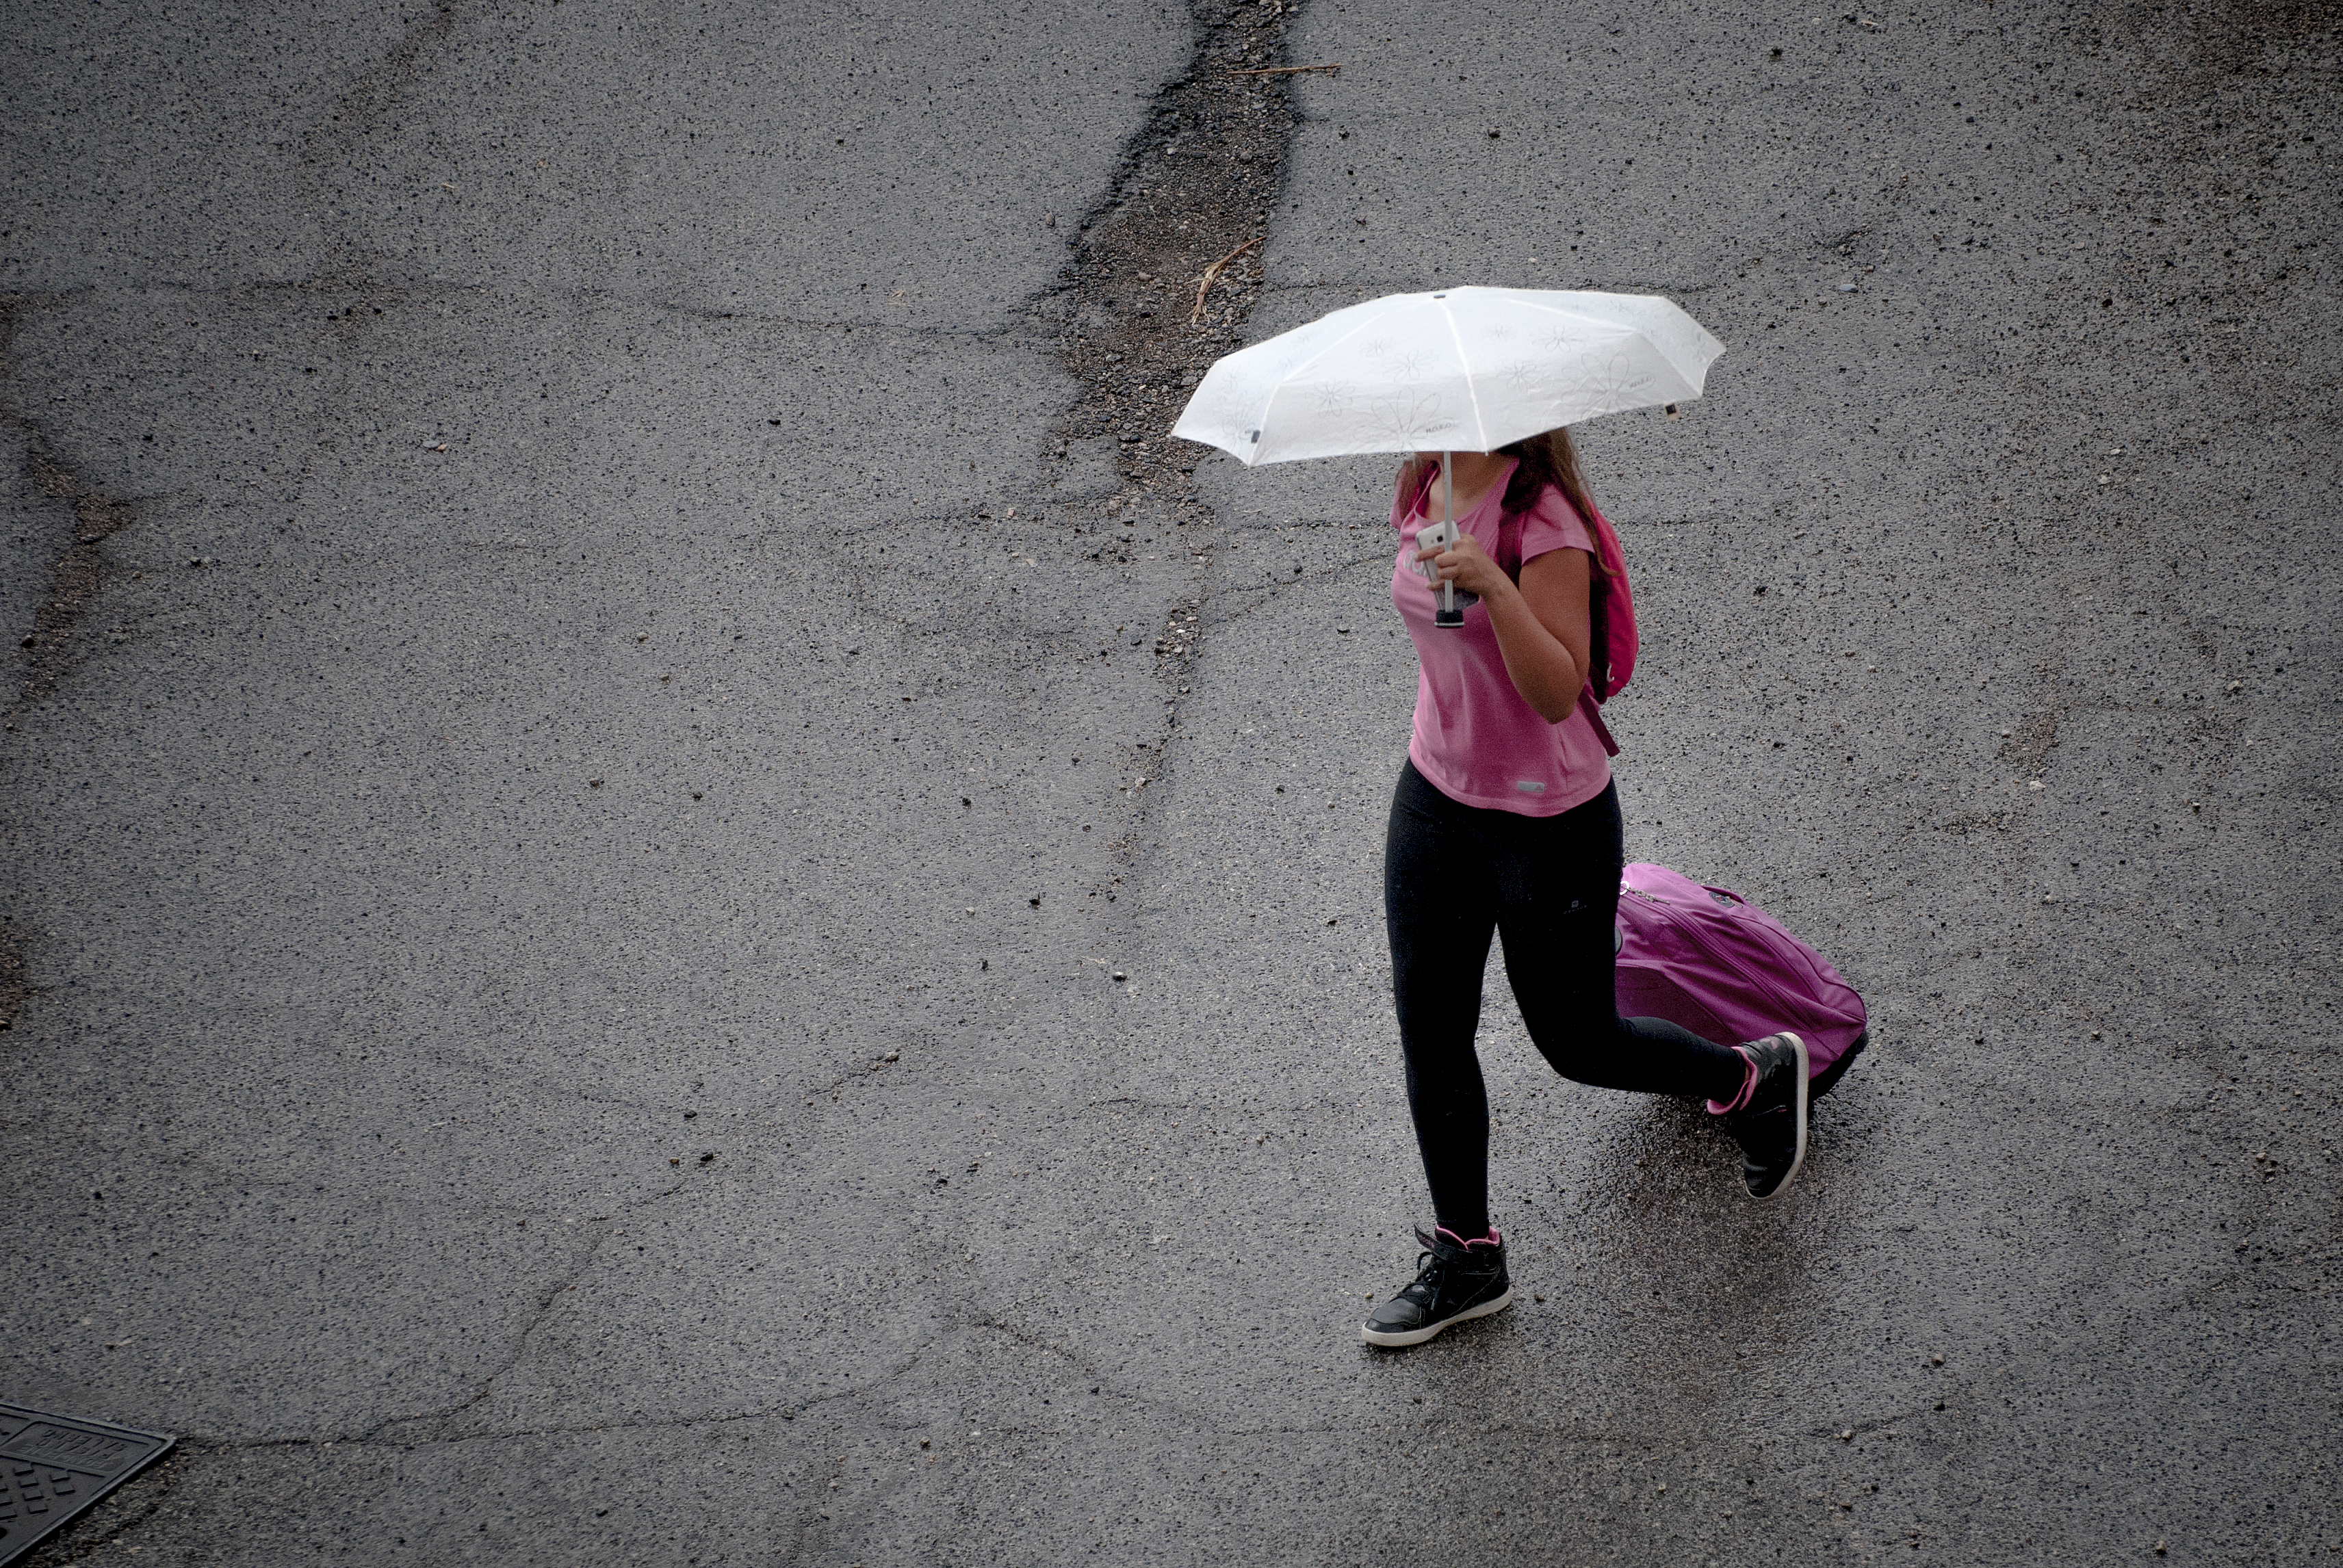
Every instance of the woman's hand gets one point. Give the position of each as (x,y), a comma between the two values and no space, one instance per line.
(1466,565)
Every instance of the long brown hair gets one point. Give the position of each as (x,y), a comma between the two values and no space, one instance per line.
(1546,460)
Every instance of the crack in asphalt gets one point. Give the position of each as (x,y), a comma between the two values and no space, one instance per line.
(373,1437)
(860,1074)
(76,575)
(997,333)
(1034,1342)
(337,141)
(562,1285)
(15,985)
(364,285)
(1196,184)
(1122,328)
(79,570)
(519,1350)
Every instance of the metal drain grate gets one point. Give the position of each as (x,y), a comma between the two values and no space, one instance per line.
(55,1468)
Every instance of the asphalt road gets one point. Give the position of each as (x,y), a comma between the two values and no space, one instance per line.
(719,928)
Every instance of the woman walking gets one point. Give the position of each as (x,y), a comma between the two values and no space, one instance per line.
(1506,820)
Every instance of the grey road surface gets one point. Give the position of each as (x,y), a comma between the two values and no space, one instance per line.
(705,935)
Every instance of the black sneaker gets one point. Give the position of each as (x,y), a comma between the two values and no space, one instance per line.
(1455,1281)
(1772,1127)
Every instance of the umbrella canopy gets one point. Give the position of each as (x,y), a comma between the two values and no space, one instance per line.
(1464,370)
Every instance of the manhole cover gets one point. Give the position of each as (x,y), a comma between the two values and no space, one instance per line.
(55,1468)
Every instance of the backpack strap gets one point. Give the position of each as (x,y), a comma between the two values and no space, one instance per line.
(1598,631)
(1588,704)
(1508,558)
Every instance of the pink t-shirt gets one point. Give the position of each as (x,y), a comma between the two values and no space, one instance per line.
(1477,739)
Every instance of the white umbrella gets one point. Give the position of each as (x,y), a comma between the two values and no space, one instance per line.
(1464,369)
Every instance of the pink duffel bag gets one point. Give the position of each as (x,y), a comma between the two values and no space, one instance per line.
(1715,964)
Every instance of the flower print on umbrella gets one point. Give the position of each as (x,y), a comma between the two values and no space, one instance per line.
(1281,365)
(1334,398)
(1226,403)
(1410,417)
(1409,365)
(1523,377)
(1613,382)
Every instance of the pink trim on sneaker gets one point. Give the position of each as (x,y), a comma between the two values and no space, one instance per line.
(1492,1240)
(1748,1087)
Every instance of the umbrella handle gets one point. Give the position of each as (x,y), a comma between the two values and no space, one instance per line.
(1448,616)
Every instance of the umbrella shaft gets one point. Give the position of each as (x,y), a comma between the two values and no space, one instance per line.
(1448,515)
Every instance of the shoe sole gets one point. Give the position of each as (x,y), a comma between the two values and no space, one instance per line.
(1392,1342)
(1798,1117)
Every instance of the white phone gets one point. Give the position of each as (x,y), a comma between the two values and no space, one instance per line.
(1449,614)
(1435,536)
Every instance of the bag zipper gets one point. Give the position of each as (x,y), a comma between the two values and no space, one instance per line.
(1766,987)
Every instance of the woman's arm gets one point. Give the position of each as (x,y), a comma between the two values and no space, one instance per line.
(1543,627)
(1544,630)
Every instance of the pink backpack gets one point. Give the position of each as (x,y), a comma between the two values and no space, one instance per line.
(1709,959)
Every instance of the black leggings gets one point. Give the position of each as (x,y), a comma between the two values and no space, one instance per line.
(1550,886)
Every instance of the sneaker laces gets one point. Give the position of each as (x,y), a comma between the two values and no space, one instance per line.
(1424,1289)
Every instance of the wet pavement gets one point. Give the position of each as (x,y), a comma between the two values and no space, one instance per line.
(721,927)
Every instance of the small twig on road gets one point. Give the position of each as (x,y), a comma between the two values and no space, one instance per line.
(1204,283)
(1287,70)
